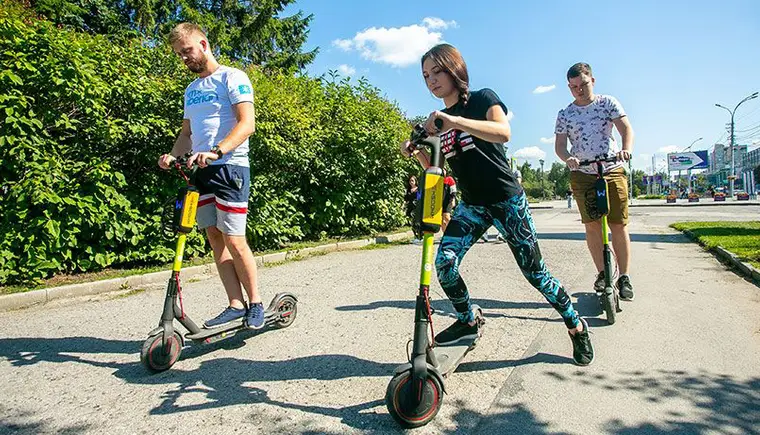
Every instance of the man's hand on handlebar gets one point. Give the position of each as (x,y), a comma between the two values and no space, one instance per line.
(202,159)
(166,161)
(573,163)
(624,156)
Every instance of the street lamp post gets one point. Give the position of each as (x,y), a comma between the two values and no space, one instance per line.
(732,112)
(688,172)
(541,162)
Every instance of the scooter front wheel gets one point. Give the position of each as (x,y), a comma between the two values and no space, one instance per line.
(410,411)
(157,359)
(610,306)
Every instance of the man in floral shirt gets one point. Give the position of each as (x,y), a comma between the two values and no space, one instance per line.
(588,122)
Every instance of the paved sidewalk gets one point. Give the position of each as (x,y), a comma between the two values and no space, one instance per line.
(681,359)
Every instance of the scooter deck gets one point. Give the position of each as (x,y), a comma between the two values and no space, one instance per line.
(228,329)
(449,356)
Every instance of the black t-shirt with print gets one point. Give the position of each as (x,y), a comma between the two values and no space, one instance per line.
(480,167)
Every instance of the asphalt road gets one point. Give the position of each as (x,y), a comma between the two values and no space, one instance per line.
(683,357)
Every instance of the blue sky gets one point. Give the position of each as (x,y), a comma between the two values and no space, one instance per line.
(668,62)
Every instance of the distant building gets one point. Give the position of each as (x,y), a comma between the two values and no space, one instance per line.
(720,163)
(750,160)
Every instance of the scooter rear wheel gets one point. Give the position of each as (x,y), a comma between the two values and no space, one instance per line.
(287,305)
(406,409)
(609,304)
(153,356)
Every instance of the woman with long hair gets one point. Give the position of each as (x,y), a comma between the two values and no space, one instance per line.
(474,128)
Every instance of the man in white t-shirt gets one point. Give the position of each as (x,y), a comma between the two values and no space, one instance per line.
(219,118)
(587,122)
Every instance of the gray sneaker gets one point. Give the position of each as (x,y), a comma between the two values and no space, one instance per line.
(625,288)
(599,283)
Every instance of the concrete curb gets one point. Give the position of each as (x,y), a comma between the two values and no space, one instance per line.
(16,301)
(747,269)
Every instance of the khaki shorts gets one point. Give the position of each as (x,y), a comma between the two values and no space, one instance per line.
(617,191)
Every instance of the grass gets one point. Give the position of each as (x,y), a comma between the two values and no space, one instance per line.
(741,238)
(111,273)
(374,246)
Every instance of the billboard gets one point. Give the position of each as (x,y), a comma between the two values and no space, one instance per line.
(689,160)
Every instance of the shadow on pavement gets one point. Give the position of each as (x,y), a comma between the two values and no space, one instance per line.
(635,238)
(441,306)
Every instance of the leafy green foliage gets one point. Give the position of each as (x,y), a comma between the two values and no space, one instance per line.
(85,118)
(246,31)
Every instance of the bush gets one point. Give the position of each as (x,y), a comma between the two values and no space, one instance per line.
(86,118)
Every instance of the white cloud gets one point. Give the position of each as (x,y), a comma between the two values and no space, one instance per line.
(396,46)
(343,44)
(547,140)
(530,153)
(544,89)
(510,115)
(346,70)
(669,149)
(437,23)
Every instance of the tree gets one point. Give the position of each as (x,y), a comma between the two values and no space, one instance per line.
(559,177)
(529,176)
(638,182)
(251,32)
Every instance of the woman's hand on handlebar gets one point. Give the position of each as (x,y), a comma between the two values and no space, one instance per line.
(405,148)
(446,122)
(573,163)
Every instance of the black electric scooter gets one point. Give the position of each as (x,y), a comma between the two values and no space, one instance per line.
(164,344)
(609,300)
(415,393)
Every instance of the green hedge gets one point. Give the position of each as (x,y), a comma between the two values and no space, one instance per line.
(86,117)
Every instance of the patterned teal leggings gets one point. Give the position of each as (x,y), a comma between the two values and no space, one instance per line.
(513,220)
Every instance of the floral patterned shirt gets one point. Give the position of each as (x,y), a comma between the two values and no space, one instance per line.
(589,129)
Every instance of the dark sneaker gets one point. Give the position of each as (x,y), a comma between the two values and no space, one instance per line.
(599,283)
(583,351)
(625,288)
(228,315)
(458,331)
(255,316)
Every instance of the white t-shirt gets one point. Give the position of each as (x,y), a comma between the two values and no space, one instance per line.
(589,129)
(208,107)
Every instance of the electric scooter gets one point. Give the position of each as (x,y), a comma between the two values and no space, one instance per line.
(608,298)
(415,393)
(164,344)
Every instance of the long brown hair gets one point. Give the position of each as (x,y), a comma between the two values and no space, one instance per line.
(450,60)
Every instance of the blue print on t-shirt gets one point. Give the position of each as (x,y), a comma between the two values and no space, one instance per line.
(196,97)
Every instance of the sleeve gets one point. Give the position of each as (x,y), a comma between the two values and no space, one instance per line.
(615,108)
(560,127)
(239,87)
(184,106)
(487,98)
